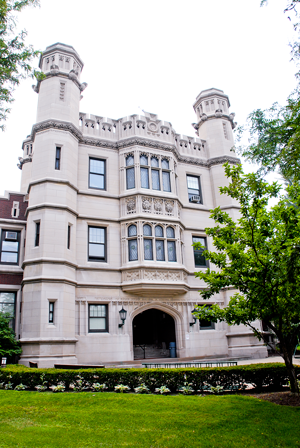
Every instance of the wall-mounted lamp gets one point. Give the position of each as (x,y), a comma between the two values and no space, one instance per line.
(195,318)
(123,314)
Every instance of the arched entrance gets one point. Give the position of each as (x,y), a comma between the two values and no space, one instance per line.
(153,330)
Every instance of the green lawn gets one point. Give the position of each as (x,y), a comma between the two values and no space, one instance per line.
(87,419)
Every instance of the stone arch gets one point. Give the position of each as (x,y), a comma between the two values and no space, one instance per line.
(175,314)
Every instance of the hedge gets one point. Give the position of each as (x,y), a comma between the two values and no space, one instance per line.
(260,376)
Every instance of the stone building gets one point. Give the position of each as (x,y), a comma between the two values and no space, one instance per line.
(114,206)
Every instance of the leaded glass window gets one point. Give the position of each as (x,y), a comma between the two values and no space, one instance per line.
(148,252)
(8,306)
(171,251)
(155,180)
(132,230)
(159,232)
(144,178)
(147,231)
(160,252)
(165,164)
(130,179)
(133,250)
(143,160)
(170,232)
(154,162)
(166,181)
(96,244)
(129,160)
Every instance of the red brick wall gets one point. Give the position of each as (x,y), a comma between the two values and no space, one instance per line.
(7,204)
(11,279)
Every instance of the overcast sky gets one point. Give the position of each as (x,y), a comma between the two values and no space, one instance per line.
(157,55)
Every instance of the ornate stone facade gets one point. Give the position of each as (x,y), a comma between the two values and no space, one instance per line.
(114,207)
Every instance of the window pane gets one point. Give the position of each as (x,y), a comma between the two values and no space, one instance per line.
(97,181)
(8,308)
(9,257)
(147,230)
(10,246)
(159,231)
(144,178)
(97,166)
(170,232)
(96,250)
(155,180)
(144,160)
(148,253)
(7,297)
(160,252)
(132,248)
(193,182)
(96,235)
(98,323)
(165,164)
(97,310)
(132,230)
(166,181)
(199,258)
(171,251)
(154,162)
(129,160)
(130,181)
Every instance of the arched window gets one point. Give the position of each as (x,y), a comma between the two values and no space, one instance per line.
(148,247)
(159,244)
(171,244)
(132,243)
(130,178)
(144,171)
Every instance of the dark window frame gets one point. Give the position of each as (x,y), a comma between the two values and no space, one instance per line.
(51,312)
(195,251)
(197,192)
(97,259)
(106,330)
(37,233)
(1,243)
(12,321)
(206,327)
(69,237)
(97,174)
(57,157)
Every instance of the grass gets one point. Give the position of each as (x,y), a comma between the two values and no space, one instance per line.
(67,420)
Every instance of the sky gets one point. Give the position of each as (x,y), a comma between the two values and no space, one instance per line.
(157,56)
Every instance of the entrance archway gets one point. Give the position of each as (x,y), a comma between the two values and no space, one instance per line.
(153,330)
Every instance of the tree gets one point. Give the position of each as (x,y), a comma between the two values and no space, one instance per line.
(259,257)
(9,346)
(15,56)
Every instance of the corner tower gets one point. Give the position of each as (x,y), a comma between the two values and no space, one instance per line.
(214,122)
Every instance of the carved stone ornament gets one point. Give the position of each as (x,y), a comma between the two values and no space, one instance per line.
(169,206)
(54,69)
(72,74)
(146,204)
(131,205)
(150,275)
(162,275)
(158,205)
(133,275)
(203,117)
(174,276)
(152,127)
(218,113)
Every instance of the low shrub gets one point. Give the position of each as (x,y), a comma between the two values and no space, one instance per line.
(259,376)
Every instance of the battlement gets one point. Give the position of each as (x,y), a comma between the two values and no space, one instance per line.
(148,126)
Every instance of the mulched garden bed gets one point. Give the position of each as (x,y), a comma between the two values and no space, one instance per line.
(282,398)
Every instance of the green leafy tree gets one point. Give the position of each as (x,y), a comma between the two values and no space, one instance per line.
(15,56)
(9,346)
(259,257)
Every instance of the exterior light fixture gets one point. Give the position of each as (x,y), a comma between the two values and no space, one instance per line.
(123,314)
(195,318)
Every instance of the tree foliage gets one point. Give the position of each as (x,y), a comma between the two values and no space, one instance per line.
(15,55)
(258,256)
(9,346)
